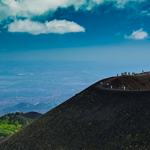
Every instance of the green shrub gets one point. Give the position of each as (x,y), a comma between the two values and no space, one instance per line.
(11,123)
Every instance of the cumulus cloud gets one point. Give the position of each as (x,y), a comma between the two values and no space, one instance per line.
(138,35)
(55,26)
(30,8)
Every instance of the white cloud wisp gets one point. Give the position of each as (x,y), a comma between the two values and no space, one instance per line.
(138,35)
(54,26)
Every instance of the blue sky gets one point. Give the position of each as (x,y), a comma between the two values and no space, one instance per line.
(101,30)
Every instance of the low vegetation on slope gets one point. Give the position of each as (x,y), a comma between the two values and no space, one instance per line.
(94,119)
(11,123)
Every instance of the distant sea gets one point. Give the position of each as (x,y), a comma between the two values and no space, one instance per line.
(53,81)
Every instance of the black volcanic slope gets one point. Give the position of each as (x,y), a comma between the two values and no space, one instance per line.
(95,119)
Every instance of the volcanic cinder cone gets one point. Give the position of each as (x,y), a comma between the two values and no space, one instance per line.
(98,118)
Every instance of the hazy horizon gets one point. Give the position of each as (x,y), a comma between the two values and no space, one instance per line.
(51,50)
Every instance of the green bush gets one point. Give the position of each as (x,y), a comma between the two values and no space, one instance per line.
(11,123)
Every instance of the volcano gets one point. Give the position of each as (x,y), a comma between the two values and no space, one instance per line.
(97,118)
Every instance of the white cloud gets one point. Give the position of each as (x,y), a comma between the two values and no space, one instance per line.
(31,8)
(98,1)
(144,11)
(138,35)
(121,3)
(55,26)
(118,3)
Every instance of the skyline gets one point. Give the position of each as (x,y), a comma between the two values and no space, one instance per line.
(49,30)
(51,50)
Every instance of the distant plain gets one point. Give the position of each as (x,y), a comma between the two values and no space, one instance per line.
(51,81)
